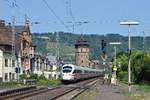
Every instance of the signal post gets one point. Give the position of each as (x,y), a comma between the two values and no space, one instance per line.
(114,66)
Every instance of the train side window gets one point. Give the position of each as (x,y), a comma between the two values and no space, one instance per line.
(80,71)
(74,71)
(86,71)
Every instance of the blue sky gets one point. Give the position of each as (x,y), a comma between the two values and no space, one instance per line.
(101,16)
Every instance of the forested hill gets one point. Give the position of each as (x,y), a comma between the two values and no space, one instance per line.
(46,43)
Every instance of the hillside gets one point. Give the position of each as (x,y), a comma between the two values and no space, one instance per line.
(46,43)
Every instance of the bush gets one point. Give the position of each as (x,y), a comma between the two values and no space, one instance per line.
(42,82)
(123,76)
(23,76)
(54,82)
(34,76)
(42,77)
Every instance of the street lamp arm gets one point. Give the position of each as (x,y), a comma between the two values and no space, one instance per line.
(129,23)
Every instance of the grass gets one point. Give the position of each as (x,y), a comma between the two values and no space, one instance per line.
(48,82)
(134,96)
(10,85)
(41,82)
(139,92)
(144,88)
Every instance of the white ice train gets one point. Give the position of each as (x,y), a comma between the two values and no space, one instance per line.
(72,72)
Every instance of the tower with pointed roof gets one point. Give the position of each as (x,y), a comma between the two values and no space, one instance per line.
(82,52)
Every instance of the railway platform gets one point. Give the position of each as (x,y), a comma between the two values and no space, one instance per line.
(109,92)
(101,91)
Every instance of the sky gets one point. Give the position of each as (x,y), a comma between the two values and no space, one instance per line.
(80,16)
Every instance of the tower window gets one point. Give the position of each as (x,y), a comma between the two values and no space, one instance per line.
(81,61)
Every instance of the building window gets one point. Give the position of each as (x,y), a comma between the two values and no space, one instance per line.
(49,76)
(6,62)
(13,63)
(55,76)
(10,75)
(51,67)
(13,76)
(6,76)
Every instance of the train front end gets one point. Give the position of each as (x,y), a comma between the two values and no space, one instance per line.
(67,73)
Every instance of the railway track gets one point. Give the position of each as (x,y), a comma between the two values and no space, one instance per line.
(76,91)
(65,92)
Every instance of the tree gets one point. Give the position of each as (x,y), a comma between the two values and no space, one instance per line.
(122,73)
(140,62)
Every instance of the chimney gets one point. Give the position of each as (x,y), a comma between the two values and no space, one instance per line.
(2,23)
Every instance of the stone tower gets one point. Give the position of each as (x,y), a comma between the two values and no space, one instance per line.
(82,52)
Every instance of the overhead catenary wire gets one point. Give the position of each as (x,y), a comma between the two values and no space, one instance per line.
(71,14)
(17,10)
(70,11)
(8,3)
(53,12)
(13,25)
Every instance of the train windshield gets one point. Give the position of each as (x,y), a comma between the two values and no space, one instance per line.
(67,69)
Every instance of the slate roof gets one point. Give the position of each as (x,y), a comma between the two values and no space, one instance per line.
(81,42)
(6,34)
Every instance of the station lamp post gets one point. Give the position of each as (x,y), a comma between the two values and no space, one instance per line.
(115,51)
(129,24)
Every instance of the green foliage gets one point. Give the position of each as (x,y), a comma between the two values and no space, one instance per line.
(48,82)
(140,62)
(42,77)
(33,76)
(23,76)
(66,52)
(123,76)
(144,74)
(145,88)
(42,82)
(11,84)
(55,82)
(67,41)
(123,59)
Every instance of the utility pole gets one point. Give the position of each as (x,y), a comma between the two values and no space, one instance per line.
(14,52)
(114,77)
(144,42)
(13,25)
(129,24)
(57,47)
